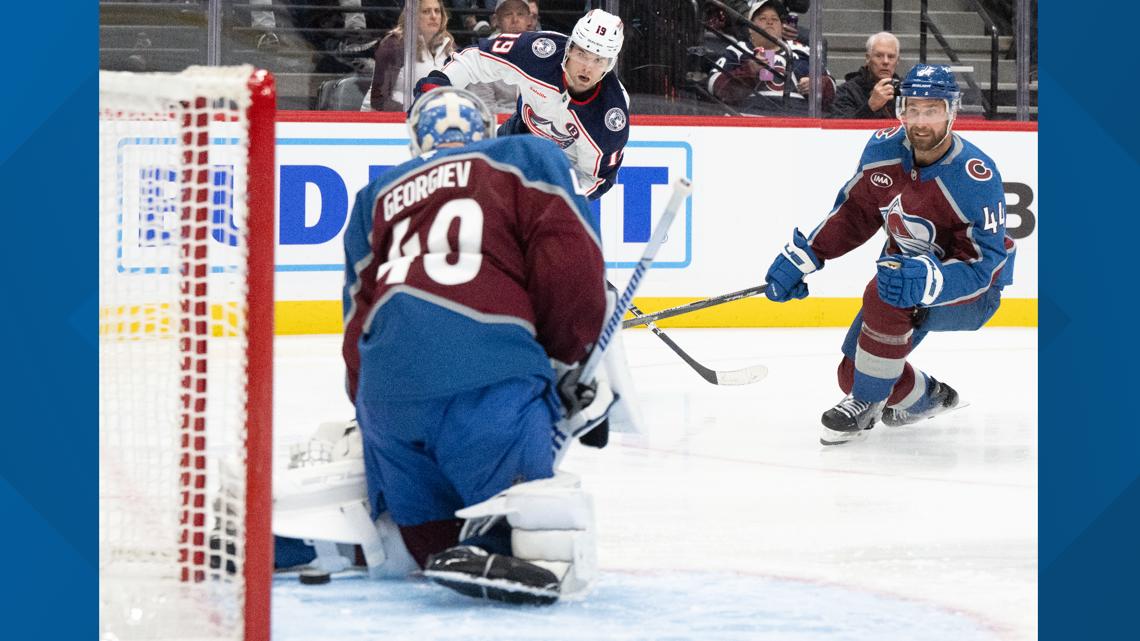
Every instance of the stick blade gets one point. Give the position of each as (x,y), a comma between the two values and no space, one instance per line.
(745,376)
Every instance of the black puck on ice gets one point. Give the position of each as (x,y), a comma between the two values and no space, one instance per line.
(314,577)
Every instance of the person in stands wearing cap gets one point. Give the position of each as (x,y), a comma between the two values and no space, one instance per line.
(752,75)
(568,92)
(511,16)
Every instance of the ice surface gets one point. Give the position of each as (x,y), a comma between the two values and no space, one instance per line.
(726,519)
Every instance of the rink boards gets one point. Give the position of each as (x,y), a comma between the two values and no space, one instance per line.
(742,211)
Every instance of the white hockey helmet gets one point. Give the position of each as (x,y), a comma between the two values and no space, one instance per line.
(601,33)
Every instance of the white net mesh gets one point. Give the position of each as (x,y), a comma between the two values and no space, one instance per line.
(172,353)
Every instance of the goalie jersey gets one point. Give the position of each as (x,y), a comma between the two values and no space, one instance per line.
(469,266)
(953,210)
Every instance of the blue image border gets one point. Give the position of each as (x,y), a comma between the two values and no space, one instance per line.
(1089,475)
(49,461)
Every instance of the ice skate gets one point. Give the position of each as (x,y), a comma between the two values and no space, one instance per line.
(941,398)
(476,573)
(848,420)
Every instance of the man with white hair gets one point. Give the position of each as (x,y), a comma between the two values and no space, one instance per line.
(869,92)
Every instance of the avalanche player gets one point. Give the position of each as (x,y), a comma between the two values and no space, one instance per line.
(468,269)
(947,257)
(566,91)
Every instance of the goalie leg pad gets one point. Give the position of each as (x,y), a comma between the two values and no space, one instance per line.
(323,497)
(552,526)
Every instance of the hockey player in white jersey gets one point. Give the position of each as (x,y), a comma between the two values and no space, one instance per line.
(568,92)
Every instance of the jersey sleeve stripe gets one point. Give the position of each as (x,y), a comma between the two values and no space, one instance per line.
(496,59)
(469,312)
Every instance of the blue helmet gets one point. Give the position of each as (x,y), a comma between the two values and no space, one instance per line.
(930,81)
(448,115)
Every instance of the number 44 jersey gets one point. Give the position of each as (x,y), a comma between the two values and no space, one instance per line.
(468,266)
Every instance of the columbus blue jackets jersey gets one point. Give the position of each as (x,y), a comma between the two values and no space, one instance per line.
(953,210)
(469,266)
(592,132)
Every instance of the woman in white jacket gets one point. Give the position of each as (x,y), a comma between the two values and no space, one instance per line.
(436,44)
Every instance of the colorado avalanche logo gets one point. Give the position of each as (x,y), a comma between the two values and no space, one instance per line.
(886,133)
(545,128)
(913,234)
(543,47)
(615,119)
(978,170)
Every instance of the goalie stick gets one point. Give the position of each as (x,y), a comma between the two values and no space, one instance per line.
(694,306)
(743,376)
(585,374)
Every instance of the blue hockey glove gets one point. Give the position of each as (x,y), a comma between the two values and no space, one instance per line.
(433,80)
(905,281)
(786,275)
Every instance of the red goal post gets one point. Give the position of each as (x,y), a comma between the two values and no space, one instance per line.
(186,239)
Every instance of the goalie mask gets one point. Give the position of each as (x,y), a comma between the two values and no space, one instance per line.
(599,33)
(448,115)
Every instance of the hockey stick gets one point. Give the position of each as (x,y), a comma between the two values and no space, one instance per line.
(585,374)
(694,306)
(743,376)
(681,190)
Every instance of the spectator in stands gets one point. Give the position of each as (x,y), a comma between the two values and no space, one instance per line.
(511,16)
(869,92)
(535,23)
(435,45)
(751,75)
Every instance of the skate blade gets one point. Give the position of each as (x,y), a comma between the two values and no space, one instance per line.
(829,436)
(924,419)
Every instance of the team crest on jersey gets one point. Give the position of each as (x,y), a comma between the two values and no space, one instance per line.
(615,119)
(879,179)
(545,128)
(978,170)
(886,133)
(913,234)
(543,47)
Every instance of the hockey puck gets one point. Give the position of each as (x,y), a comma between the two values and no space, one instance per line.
(314,577)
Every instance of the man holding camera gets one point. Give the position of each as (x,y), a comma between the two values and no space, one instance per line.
(870,91)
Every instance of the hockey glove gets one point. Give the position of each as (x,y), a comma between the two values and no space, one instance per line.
(905,281)
(786,275)
(576,395)
(433,80)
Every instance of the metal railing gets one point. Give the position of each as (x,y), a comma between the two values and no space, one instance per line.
(926,23)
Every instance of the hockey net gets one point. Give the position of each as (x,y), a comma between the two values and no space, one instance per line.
(186,240)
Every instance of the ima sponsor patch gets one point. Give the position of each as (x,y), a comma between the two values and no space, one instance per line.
(543,47)
(615,119)
(978,170)
(879,179)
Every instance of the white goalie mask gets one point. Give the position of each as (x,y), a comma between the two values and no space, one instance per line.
(599,33)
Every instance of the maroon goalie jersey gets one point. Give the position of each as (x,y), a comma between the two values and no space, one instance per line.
(469,266)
